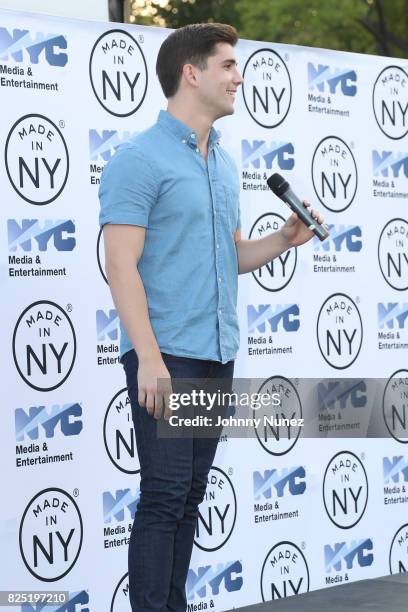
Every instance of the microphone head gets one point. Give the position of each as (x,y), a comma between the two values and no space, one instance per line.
(277,184)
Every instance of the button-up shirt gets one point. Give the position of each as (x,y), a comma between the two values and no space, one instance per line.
(190,208)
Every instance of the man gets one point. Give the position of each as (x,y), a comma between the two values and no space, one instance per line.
(170,217)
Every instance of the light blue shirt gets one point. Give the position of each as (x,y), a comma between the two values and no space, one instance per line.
(159,180)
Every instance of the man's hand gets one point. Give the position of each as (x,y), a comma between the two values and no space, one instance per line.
(295,231)
(154,396)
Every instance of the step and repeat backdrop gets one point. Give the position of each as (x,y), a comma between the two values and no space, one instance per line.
(284,513)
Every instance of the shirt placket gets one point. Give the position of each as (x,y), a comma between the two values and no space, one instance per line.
(218,253)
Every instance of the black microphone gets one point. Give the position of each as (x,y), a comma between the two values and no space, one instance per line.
(281,188)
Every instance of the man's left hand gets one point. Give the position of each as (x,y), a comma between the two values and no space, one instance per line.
(295,231)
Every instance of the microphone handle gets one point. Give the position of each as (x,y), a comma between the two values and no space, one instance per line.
(297,207)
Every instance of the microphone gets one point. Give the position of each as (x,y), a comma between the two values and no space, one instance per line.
(281,188)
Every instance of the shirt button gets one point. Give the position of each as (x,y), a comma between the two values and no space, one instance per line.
(218,246)
(184,141)
(220,311)
(219,279)
(198,150)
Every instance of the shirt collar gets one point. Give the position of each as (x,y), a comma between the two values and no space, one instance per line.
(184,133)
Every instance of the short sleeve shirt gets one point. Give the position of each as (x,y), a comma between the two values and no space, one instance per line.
(190,209)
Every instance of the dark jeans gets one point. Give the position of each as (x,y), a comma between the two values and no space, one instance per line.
(174,475)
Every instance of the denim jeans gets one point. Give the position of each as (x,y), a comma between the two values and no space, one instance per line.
(174,474)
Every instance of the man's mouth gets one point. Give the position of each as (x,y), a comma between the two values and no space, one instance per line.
(231,92)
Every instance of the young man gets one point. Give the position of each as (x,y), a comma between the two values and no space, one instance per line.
(170,217)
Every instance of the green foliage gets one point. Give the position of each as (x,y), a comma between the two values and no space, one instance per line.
(362,26)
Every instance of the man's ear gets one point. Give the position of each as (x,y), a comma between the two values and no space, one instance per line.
(190,74)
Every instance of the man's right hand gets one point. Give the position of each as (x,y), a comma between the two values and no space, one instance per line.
(152,395)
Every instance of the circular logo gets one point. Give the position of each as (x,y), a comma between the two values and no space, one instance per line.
(275,275)
(390,101)
(273,432)
(37,161)
(118,73)
(44,345)
(394,405)
(217,512)
(339,331)
(50,534)
(284,572)
(399,551)
(267,88)
(119,434)
(345,489)
(120,599)
(334,174)
(393,254)
(100,254)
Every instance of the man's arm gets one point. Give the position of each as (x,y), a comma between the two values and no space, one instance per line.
(123,249)
(253,254)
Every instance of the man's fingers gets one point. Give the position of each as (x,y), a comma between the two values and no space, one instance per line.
(150,402)
(158,406)
(315,213)
(141,398)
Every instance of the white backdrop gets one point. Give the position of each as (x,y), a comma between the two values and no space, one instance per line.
(283,514)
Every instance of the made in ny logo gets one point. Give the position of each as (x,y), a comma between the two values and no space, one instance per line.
(41,421)
(339,331)
(395,406)
(331,79)
(266,154)
(334,174)
(393,254)
(284,572)
(399,551)
(279,483)
(103,145)
(50,534)
(118,72)
(211,580)
(120,598)
(346,555)
(342,238)
(277,440)
(41,235)
(217,512)
(44,345)
(390,102)
(37,160)
(345,489)
(100,255)
(23,45)
(267,88)
(278,273)
(119,434)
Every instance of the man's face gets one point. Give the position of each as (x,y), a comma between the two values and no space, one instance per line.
(219,82)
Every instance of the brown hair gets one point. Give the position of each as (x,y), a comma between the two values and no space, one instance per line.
(192,44)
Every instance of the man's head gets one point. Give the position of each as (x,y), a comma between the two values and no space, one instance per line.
(201,59)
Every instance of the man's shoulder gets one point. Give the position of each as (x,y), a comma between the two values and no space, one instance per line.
(141,142)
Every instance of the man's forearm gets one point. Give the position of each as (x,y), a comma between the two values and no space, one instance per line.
(130,300)
(253,254)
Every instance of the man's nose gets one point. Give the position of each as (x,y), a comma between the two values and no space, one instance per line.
(238,80)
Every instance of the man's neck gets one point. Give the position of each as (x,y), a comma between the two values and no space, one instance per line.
(200,124)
